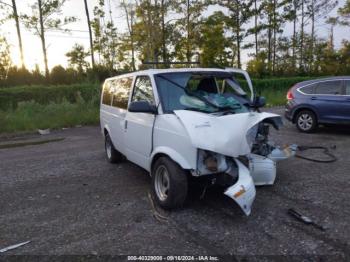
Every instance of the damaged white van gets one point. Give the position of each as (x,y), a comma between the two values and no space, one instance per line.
(177,123)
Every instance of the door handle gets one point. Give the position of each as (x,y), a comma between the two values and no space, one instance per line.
(125,124)
(313,98)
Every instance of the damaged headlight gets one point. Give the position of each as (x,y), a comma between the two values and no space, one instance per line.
(251,135)
(210,162)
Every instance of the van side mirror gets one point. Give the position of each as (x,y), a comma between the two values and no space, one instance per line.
(142,107)
(259,102)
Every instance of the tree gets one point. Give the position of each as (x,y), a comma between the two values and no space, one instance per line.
(344,12)
(90,34)
(214,51)
(5,58)
(316,10)
(129,10)
(14,15)
(105,42)
(44,17)
(239,14)
(187,28)
(76,58)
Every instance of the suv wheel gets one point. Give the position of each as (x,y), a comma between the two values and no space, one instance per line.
(306,121)
(169,183)
(113,156)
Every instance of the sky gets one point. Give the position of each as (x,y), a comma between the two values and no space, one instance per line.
(60,43)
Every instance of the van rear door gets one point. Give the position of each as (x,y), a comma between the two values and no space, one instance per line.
(138,126)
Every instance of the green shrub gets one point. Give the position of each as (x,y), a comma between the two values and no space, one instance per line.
(10,97)
(30,115)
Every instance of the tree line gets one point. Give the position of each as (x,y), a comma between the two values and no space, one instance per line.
(213,33)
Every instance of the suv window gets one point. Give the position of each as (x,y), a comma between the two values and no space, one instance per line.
(143,90)
(347,87)
(121,90)
(329,88)
(107,94)
(308,89)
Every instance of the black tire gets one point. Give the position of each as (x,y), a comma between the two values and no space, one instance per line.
(112,155)
(177,183)
(306,121)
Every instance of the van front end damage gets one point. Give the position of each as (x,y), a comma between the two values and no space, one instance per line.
(236,145)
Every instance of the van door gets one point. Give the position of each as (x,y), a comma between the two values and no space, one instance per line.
(121,89)
(138,126)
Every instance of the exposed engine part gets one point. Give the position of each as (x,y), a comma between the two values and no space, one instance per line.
(261,145)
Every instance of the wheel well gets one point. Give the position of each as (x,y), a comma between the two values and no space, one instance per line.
(302,109)
(105,132)
(155,158)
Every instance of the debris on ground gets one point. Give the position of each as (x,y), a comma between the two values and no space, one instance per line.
(306,220)
(13,246)
(44,131)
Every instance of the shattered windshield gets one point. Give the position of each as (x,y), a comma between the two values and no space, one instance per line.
(208,92)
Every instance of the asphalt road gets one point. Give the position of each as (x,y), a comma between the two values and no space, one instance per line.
(65,198)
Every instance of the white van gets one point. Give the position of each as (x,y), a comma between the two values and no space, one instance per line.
(177,123)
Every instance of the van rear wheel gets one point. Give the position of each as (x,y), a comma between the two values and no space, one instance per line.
(169,183)
(113,156)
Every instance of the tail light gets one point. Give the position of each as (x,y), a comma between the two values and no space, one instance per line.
(290,95)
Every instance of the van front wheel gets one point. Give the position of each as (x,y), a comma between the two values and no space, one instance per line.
(113,156)
(169,183)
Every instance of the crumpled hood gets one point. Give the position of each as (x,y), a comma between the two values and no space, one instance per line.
(225,134)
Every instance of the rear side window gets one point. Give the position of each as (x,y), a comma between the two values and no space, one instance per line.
(107,94)
(121,90)
(347,87)
(143,90)
(329,88)
(308,89)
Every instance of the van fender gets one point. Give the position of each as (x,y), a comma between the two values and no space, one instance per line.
(174,155)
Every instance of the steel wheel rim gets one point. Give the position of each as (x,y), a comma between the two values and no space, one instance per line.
(305,122)
(162,182)
(108,149)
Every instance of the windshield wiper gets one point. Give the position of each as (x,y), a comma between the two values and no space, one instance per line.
(197,110)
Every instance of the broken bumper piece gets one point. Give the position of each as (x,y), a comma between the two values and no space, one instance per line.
(243,191)
(263,169)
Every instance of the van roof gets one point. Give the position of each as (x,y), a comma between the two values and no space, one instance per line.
(172,70)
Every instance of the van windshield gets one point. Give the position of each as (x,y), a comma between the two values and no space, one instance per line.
(208,92)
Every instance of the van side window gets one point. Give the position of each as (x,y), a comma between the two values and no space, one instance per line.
(329,88)
(107,94)
(347,87)
(121,90)
(143,90)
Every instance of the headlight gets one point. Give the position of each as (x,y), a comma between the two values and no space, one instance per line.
(210,162)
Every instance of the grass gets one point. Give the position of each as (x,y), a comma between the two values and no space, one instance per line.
(29,116)
(274,97)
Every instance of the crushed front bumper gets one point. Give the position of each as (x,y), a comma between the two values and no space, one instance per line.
(243,191)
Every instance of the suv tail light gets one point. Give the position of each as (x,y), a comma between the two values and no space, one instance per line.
(290,95)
